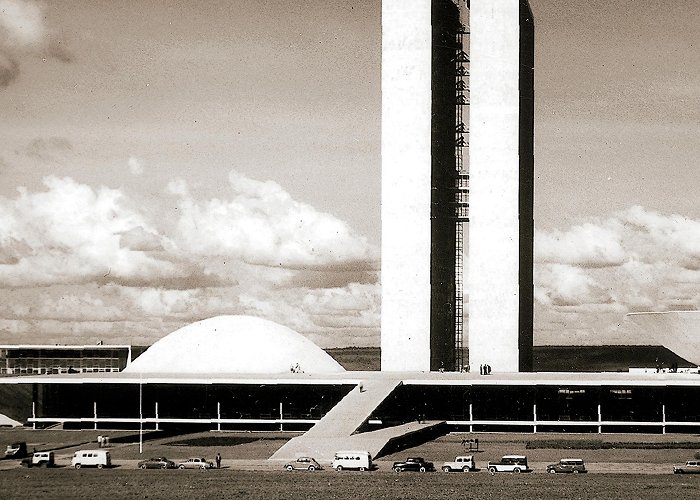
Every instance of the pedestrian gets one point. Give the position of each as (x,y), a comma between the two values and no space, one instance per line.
(218,460)
(481,369)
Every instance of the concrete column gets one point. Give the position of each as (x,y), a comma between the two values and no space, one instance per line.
(471,418)
(281,417)
(600,420)
(406,181)
(157,423)
(663,419)
(500,193)
(218,416)
(534,417)
(94,414)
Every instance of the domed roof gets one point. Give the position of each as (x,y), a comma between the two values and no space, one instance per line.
(233,344)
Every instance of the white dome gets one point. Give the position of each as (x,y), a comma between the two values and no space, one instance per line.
(233,344)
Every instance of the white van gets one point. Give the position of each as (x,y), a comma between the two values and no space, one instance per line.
(91,458)
(358,460)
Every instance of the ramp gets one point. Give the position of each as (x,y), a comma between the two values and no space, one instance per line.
(334,430)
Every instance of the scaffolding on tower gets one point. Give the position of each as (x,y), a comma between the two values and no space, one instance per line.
(461,191)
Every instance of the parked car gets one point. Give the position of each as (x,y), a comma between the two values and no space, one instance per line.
(416,464)
(303,463)
(16,450)
(690,467)
(195,463)
(567,465)
(156,463)
(91,458)
(464,463)
(509,463)
(39,459)
(358,460)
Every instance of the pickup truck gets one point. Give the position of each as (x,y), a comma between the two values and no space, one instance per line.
(464,463)
(416,464)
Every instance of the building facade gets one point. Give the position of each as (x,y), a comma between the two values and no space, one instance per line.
(501,176)
(54,359)
(420,45)
(425,183)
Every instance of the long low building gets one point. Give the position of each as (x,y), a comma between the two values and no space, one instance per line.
(580,402)
(238,372)
(22,359)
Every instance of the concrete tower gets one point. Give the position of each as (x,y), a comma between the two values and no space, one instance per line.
(501,185)
(419,46)
(421,183)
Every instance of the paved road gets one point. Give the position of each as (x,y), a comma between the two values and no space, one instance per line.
(267,465)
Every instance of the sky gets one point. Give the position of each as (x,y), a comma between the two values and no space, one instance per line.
(164,162)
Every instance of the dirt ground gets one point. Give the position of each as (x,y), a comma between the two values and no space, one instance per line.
(122,483)
(614,473)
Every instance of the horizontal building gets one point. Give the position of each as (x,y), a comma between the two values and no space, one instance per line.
(52,359)
(537,402)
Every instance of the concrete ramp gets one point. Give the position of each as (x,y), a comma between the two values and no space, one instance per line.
(6,421)
(334,430)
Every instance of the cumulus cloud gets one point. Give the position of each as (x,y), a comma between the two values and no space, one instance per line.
(74,257)
(23,32)
(261,224)
(71,233)
(337,316)
(135,165)
(633,260)
(589,245)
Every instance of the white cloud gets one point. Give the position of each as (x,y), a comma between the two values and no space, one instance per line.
(71,233)
(23,32)
(634,260)
(589,244)
(135,165)
(21,22)
(84,262)
(261,224)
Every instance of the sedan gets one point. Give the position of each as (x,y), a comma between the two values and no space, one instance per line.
(156,463)
(416,464)
(303,463)
(195,463)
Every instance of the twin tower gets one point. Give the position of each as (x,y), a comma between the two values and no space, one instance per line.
(457,173)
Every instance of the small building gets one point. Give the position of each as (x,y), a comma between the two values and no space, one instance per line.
(29,359)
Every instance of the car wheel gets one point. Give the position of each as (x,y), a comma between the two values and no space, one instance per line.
(203,467)
(289,467)
(446,469)
(516,470)
(143,466)
(576,472)
(77,466)
(552,471)
(339,468)
(362,469)
(397,469)
(99,466)
(492,470)
(422,469)
(466,469)
(312,468)
(181,467)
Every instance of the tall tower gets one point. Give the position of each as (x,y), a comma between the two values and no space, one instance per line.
(501,175)
(419,184)
(423,187)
